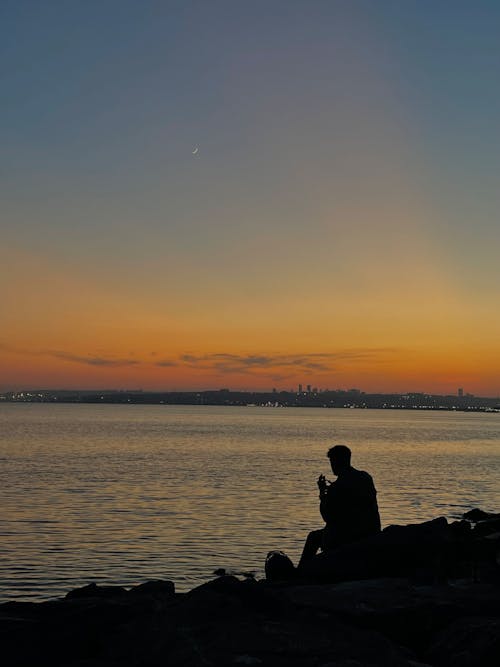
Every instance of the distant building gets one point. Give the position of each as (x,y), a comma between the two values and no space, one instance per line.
(460,392)
(308,388)
(300,388)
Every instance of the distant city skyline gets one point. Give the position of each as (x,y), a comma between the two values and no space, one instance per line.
(251,195)
(351,399)
(299,390)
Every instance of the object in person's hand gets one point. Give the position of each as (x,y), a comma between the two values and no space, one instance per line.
(322,483)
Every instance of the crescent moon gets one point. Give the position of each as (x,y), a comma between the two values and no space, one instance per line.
(195,150)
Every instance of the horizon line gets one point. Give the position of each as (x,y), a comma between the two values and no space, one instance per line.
(239,391)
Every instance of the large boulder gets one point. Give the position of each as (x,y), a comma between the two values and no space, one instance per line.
(397,551)
(477,514)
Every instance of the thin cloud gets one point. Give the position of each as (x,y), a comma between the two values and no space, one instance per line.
(109,362)
(282,366)
(66,356)
(165,363)
(286,364)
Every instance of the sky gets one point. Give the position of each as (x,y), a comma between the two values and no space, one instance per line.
(250,195)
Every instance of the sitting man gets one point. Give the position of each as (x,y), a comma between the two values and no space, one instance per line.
(348,506)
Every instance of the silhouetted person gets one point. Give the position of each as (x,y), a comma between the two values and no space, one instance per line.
(348,506)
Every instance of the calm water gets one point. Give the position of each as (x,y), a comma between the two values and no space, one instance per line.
(122,494)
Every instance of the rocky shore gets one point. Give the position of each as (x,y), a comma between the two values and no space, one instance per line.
(394,621)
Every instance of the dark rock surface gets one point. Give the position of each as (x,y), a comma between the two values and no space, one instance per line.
(427,552)
(389,622)
(385,621)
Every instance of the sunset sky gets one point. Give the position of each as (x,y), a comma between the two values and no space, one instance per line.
(250,194)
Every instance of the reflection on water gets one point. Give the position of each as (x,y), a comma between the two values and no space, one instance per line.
(122,494)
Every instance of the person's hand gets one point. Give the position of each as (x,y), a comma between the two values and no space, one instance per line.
(322,485)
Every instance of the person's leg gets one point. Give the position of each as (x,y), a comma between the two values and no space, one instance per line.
(313,543)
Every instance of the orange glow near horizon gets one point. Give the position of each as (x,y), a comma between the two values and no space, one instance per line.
(380,345)
(391,335)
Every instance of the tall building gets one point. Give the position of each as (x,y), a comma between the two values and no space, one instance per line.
(308,388)
(460,392)
(300,388)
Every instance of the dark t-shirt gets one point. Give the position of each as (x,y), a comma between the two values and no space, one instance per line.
(349,508)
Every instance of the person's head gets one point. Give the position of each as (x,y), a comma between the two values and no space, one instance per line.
(340,458)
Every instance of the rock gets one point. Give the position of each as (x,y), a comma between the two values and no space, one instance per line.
(94,663)
(224,583)
(381,622)
(468,642)
(229,591)
(222,572)
(156,588)
(487,527)
(216,630)
(428,552)
(247,660)
(408,614)
(95,591)
(477,514)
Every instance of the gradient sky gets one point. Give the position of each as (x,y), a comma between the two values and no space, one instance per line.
(338,225)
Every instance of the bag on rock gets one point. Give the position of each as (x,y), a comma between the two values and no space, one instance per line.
(279,567)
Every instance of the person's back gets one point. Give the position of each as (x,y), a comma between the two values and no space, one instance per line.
(349,508)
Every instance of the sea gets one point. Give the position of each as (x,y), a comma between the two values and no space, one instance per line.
(122,494)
